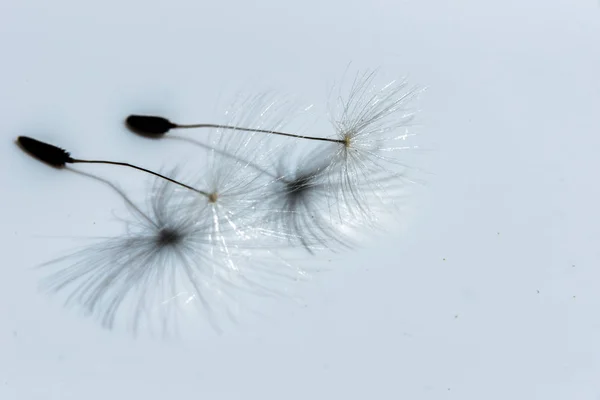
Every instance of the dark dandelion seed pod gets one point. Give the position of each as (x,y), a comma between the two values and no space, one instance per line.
(45,152)
(149,125)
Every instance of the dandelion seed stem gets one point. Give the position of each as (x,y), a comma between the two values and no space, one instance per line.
(144,170)
(238,128)
(58,158)
(153,126)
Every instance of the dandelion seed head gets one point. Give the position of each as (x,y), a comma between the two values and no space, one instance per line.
(373,124)
(347,138)
(238,172)
(371,120)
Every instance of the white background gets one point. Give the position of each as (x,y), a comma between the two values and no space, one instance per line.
(492,292)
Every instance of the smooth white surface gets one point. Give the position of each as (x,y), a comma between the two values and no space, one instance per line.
(492,292)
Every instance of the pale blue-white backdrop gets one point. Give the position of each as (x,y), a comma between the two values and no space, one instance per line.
(491,290)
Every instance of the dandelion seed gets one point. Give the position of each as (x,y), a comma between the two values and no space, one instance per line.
(363,161)
(149,125)
(57,157)
(366,121)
